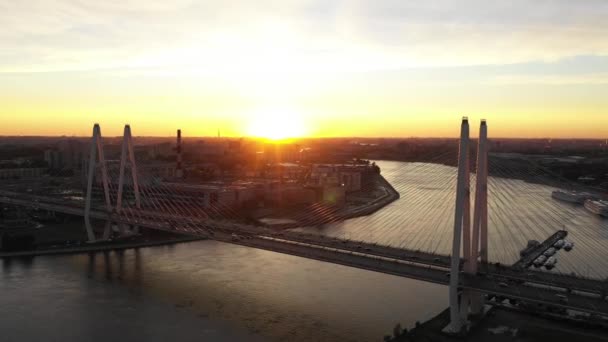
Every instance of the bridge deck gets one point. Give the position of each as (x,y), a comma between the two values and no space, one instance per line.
(419,265)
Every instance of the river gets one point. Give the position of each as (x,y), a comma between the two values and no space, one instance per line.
(211,291)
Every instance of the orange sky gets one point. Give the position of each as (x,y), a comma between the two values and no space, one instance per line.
(319,68)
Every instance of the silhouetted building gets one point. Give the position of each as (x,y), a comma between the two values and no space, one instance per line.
(19,173)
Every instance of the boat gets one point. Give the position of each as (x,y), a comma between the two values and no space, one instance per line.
(572,196)
(598,207)
(568,245)
(538,262)
(549,252)
(532,244)
(550,263)
(559,244)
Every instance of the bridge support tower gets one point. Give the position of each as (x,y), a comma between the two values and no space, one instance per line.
(479,249)
(464,302)
(96,156)
(127,149)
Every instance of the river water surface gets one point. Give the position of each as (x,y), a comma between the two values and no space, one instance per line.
(211,291)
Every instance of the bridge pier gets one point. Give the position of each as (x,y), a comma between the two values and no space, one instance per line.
(470,302)
(127,149)
(479,215)
(456,321)
(96,153)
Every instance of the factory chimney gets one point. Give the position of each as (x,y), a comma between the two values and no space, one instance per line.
(179,173)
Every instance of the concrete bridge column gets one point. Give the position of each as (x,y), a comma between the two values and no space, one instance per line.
(456,321)
(465,296)
(480,213)
(96,154)
(127,150)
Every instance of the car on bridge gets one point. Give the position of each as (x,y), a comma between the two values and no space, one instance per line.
(562,298)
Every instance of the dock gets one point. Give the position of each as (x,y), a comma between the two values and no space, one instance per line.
(527,260)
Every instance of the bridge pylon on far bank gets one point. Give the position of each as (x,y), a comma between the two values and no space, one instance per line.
(474,238)
(96,156)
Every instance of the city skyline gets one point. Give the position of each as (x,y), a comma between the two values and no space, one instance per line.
(305,68)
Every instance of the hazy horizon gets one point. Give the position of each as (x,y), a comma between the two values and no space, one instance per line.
(185,137)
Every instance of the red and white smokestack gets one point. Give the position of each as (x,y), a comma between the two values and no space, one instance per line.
(179,173)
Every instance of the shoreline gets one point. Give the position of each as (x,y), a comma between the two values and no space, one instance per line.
(391,195)
(376,204)
(88,248)
(503,323)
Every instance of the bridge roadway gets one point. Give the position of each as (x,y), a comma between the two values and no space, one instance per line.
(412,264)
(438,275)
(502,272)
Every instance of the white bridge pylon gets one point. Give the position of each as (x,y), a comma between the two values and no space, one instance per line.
(96,156)
(474,238)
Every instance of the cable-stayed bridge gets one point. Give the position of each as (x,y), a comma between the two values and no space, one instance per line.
(129,200)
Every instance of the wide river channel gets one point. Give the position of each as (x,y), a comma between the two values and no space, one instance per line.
(212,291)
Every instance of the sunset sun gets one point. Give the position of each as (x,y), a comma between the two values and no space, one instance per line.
(276,124)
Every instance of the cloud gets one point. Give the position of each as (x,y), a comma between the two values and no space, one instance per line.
(558,79)
(294,36)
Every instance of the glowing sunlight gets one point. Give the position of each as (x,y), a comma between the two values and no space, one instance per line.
(276,123)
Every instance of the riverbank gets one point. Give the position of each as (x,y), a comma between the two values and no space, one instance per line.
(363,203)
(98,247)
(390,196)
(504,324)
